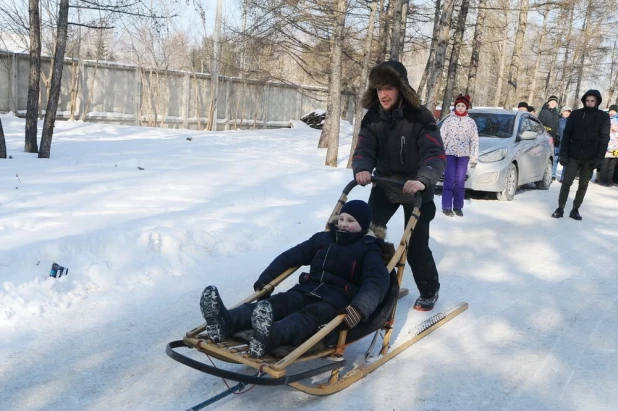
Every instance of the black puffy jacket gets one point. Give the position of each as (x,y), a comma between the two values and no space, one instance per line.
(550,118)
(352,274)
(404,144)
(586,134)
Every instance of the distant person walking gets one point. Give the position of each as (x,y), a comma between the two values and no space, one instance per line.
(582,149)
(461,144)
(611,154)
(564,114)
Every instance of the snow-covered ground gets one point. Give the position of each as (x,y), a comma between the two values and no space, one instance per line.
(541,332)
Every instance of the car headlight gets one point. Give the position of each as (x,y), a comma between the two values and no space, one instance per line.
(493,156)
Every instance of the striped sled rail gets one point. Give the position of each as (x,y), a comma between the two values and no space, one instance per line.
(327,345)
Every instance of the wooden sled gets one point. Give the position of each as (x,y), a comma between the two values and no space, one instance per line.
(328,344)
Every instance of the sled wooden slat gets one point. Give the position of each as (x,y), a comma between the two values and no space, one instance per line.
(358,373)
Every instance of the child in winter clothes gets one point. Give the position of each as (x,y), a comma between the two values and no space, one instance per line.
(461,144)
(346,275)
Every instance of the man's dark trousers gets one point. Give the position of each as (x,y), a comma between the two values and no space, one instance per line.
(419,255)
(584,168)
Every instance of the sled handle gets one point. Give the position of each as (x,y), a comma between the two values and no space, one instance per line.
(383,180)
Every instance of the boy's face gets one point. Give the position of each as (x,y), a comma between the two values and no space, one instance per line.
(348,223)
(612,113)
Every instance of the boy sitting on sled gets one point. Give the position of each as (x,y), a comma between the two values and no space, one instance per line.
(347,275)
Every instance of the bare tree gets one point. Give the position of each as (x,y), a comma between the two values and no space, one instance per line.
(583,52)
(52,102)
(34,78)
(476,47)
(511,89)
(358,108)
(330,132)
(539,54)
(434,82)
(396,33)
(432,50)
(2,142)
(454,63)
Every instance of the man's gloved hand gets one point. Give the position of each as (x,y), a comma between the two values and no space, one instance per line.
(563,160)
(351,319)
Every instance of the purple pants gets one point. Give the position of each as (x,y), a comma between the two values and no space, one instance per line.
(453,189)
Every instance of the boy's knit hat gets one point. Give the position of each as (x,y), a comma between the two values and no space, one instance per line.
(359,210)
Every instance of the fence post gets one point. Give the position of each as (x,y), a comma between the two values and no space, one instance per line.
(13,86)
(187,100)
(266,98)
(137,96)
(227,104)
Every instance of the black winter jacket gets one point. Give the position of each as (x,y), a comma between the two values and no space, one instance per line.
(586,134)
(404,144)
(352,274)
(550,119)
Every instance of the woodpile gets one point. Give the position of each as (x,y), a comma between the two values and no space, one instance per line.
(315,119)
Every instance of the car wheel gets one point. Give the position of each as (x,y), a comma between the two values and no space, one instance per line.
(510,184)
(546,181)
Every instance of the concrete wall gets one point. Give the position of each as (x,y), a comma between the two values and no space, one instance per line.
(131,95)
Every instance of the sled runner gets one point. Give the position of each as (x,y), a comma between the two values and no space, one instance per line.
(317,366)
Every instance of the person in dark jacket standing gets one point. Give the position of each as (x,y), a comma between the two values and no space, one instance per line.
(550,117)
(582,149)
(347,275)
(399,138)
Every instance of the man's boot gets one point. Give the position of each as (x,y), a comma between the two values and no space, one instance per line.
(575,214)
(559,213)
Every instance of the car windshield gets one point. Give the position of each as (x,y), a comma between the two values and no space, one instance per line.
(494,125)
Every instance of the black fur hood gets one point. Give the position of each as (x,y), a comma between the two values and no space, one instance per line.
(391,73)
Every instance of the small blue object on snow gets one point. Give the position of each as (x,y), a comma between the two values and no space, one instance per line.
(58,270)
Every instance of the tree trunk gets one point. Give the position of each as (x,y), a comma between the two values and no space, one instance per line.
(452,67)
(613,75)
(539,54)
(432,50)
(396,39)
(434,81)
(34,78)
(511,87)
(497,98)
(404,21)
(476,48)
(385,30)
(563,80)
(358,108)
(56,80)
(214,75)
(335,85)
(2,142)
(583,55)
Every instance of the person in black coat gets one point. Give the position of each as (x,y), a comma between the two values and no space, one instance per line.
(399,139)
(550,118)
(347,274)
(582,149)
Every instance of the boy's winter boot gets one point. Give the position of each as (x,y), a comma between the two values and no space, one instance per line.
(216,315)
(575,215)
(448,212)
(458,212)
(426,302)
(559,213)
(262,322)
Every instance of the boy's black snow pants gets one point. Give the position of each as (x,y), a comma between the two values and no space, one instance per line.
(419,255)
(296,317)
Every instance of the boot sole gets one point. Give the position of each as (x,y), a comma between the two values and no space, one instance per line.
(261,322)
(211,311)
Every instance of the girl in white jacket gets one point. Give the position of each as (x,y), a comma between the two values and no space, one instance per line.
(461,143)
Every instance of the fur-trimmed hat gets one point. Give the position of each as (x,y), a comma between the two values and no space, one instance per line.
(389,73)
(465,100)
(359,210)
(553,98)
